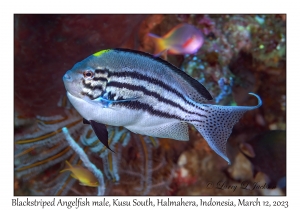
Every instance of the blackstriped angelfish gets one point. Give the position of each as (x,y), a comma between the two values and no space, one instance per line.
(149,96)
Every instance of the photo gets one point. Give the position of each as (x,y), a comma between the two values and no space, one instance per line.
(149,104)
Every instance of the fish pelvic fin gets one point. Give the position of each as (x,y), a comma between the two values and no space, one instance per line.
(217,126)
(159,43)
(101,132)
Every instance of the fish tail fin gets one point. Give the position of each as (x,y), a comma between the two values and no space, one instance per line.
(217,126)
(159,42)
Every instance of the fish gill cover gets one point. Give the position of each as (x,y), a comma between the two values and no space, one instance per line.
(238,53)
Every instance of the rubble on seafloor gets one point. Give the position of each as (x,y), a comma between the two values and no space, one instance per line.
(240,54)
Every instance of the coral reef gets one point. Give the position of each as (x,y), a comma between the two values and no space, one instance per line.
(240,54)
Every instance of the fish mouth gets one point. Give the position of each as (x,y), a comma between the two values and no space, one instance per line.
(70,85)
(67,77)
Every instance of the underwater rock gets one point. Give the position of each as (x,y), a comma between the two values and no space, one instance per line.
(269,154)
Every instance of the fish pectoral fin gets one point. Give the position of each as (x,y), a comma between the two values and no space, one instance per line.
(177,131)
(126,100)
(106,102)
(101,132)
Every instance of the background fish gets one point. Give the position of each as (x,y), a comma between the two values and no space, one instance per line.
(182,39)
(149,96)
(83,175)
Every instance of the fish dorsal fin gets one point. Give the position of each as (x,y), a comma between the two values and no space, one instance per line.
(171,32)
(70,166)
(190,87)
(71,169)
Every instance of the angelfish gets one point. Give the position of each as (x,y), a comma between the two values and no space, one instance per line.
(149,96)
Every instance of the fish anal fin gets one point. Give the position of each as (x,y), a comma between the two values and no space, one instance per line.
(89,184)
(177,131)
(101,132)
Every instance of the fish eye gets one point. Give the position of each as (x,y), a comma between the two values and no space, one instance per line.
(88,74)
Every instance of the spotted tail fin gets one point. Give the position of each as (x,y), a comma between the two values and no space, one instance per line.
(218,125)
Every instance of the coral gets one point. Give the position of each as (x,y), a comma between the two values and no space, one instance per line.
(84,158)
(226,89)
(41,150)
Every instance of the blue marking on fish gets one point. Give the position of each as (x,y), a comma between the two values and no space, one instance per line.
(106,102)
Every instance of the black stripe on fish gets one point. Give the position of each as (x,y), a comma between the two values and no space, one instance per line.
(194,83)
(110,96)
(92,97)
(89,86)
(138,76)
(136,105)
(150,93)
(102,71)
(102,79)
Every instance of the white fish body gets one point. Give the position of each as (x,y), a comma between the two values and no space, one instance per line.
(137,121)
(148,96)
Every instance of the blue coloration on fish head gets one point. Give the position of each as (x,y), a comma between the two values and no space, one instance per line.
(79,80)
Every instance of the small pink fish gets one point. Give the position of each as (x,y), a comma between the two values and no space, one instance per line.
(182,39)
